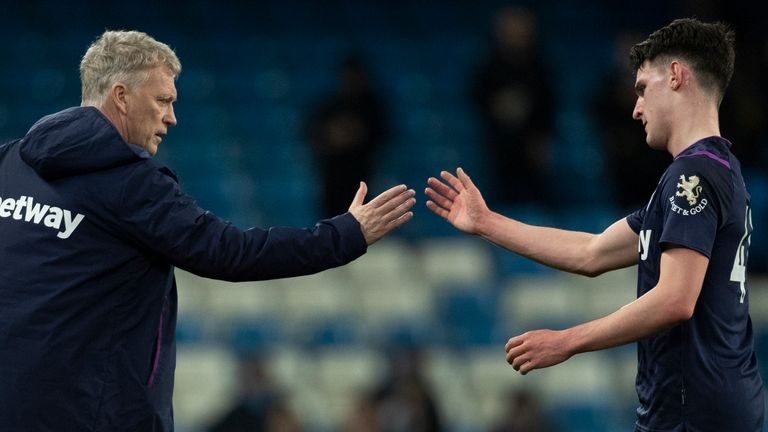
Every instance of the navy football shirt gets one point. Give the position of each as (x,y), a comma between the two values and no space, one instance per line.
(700,375)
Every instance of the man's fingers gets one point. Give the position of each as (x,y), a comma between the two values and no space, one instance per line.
(464,178)
(527,367)
(519,354)
(362,191)
(386,226)
(438,199)
(513,342)
(405,217)
(436,209)
(396,201)
(400,209)
(519,361)
(397,212)
(452,180)
(442,188)
(515,351)
(514,354)
(387,195)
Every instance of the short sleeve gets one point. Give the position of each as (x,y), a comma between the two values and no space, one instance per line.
(635,220)
(691,198)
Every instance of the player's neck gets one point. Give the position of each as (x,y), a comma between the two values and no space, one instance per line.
(696,124)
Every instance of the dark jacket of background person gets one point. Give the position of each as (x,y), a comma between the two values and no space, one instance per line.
(90,231)
(345,131)
(513,93)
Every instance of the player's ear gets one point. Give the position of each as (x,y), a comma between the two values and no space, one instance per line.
(675,74)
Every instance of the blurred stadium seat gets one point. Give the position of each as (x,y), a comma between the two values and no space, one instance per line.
(461,260)
(205,383)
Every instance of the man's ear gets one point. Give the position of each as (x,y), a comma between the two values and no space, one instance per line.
(117,94)
(677,74)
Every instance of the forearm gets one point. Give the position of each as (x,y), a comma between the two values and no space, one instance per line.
(560,249)
(670,302)
(462,205)
(646,316)
(224,252)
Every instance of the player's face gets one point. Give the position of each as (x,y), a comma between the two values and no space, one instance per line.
(652,106)
(150,110)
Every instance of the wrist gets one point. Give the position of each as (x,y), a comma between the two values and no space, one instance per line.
(570,341)
(486,223)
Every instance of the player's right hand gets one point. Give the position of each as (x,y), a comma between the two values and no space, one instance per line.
(457,200)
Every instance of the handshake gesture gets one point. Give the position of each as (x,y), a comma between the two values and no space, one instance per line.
(454,198)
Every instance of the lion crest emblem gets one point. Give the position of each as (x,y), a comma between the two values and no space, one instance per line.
(690,189)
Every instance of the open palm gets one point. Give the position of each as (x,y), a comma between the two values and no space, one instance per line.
(457,200)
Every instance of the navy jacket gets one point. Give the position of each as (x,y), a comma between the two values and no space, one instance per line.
(90,231)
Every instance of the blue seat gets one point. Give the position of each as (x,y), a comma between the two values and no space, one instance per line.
(330,333)
(189,330)
(585,416)
(468,318)
(257,335)
(407,335)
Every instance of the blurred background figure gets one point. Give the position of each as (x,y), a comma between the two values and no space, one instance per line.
(523,414)
(633,168)
(345,131)
(513,93)
(261,406)
(402,402)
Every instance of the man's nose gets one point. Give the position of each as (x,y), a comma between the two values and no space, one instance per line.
(170,117)
(638,111)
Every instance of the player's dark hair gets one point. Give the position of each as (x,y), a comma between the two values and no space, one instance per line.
(707,47)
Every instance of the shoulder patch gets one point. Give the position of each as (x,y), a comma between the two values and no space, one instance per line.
(689,188)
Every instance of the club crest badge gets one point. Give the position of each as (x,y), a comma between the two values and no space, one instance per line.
(690,189)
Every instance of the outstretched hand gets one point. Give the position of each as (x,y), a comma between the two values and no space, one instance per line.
(458,201)
(384,213)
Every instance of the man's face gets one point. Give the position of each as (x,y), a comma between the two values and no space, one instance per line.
(653,104)
(150,110)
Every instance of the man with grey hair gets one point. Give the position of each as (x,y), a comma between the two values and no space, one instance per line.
(91,228)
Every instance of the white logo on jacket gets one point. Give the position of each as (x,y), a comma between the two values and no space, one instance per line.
(24,208)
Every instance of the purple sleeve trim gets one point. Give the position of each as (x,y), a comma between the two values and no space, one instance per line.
(709,155)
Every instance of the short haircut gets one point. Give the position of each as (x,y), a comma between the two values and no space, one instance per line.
(124,56)
(707,47)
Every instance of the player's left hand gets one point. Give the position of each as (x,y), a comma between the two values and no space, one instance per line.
(536,349)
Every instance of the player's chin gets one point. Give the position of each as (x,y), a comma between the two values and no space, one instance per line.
(654,143)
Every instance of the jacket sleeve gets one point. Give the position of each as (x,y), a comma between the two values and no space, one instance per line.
(160,218)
